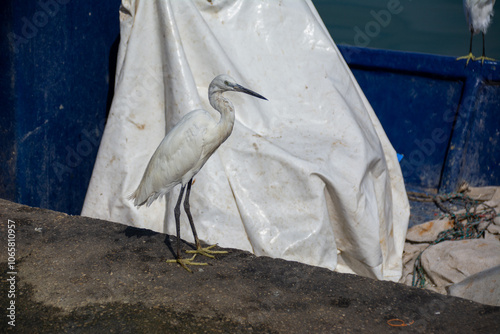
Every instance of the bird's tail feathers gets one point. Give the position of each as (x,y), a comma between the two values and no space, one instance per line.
(135,197)
(141,196)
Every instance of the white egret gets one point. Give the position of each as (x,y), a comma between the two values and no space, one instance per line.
(184,151)
(478,14)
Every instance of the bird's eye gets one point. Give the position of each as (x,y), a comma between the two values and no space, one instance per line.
(226,83)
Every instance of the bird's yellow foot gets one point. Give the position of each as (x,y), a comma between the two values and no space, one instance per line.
(469,57)
(483,58)
(205,251)
(185,262)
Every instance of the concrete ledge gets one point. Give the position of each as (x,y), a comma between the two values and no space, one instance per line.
(76,274)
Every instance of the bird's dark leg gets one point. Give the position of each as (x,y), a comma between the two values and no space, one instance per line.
(483,57)
(470,56)
(484,53)
(188,212)
(199,250)
(177,214)
(470,44)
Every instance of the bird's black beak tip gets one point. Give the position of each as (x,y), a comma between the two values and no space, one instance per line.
(249,92)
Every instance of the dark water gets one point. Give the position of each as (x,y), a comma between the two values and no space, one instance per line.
(429,26)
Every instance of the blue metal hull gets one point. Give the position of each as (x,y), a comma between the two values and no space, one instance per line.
(443,116)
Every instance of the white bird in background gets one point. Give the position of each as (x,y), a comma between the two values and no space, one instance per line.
(184,151)
(478,14)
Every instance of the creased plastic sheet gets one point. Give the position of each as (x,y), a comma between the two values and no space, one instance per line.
(308,176)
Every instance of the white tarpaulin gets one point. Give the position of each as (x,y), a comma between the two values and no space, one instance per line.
(308,176)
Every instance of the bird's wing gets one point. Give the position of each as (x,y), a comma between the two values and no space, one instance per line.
(177,159)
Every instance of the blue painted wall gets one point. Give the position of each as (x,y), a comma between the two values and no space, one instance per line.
(57,76)
(7,121)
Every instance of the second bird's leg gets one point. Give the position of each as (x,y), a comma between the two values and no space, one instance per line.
(199,250)
(179,260)
(470,56)
(483,57)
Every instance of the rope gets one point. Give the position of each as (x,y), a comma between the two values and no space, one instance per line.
(466,225)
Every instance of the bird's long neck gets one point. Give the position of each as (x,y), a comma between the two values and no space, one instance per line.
(226,109)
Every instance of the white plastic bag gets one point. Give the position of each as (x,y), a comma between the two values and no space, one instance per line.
(309,176)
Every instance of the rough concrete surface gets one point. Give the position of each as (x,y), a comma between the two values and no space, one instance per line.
(81,275)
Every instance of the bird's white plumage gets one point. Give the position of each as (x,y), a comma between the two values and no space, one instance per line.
(186,148)
(177,159)
(478,14)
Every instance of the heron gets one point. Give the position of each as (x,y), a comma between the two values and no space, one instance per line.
(183,152)
(478,14)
